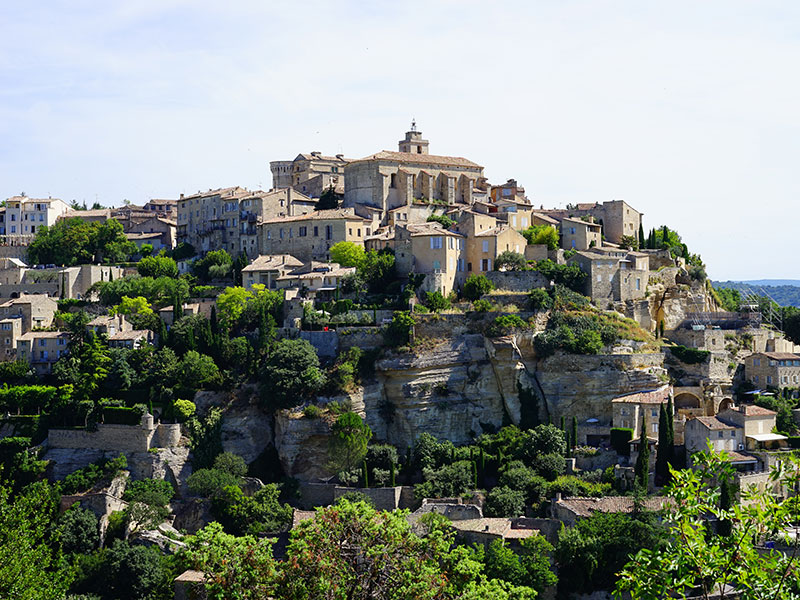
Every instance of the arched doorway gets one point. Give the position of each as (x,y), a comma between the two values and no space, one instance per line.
(687,400)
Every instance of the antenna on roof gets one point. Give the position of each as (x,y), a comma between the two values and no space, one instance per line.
(413,124)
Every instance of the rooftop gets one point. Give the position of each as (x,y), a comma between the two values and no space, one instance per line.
(713,423)
(426,159)
(656,396)
(584,507)
(334,213)
(271,262)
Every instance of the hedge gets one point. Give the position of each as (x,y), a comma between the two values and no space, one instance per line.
(30,398)
(690,356)
(122,415)
(12,445)
(620,440)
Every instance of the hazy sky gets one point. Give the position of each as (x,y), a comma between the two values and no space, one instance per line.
(689,111)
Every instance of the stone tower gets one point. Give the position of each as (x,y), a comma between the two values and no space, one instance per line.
(414,142)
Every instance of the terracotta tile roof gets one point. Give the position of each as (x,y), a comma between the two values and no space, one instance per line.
(423,229)
(713,423)
(738,457)
(271,262)
(87,214)
(425,159)
(229,192)
(33,335)
(780,355)
(492,526)
(657,396)
(319,215)
(751,410)
(580,222)
(584,507)
(130,335)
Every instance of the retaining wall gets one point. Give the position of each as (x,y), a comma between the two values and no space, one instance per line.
(518,281)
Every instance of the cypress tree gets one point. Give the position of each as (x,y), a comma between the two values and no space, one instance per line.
(162,333)
(662,455)
(392,481)
(671,438)
(563,426)
(214,323)
(665,237)
(110,275)
(63,287)
(642,467)
(364,475)
(574,431)
(474,474)
(568,445)
(641,236)
(725,526)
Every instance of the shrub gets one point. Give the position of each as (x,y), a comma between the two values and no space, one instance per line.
(183,410)
(570,276)
(381,456)
(550,466)
(689,356)
(205,482)
(503,501)
(436,302)
(231,463)
(620,440)
(540,299)
(476,286)
(443,220)
(122,415)
(80,530)
(481,306)
(312,411)
(447,481)
(505,324)
(508,260)
(398,331)
(154,492)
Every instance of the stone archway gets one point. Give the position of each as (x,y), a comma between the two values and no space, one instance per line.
(725,404)
(687,400)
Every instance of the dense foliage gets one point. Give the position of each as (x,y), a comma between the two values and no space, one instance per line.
(76,242)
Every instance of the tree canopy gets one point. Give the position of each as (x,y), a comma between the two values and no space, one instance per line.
(76,242)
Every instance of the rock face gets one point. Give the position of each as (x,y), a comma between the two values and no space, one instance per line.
(583,386)
(246,428)
(302,445)
(451,391)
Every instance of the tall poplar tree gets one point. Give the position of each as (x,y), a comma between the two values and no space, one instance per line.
(642,467)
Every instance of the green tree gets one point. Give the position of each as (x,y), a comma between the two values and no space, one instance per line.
(233,567)
(157,266)
(666,443)
(134,572)
(217,264)
(79,529)
(347,444)
(75,242)
(30,568)
(347,254)
(642,466)
(231,463)
(329,199)
(291,374)
(436,302)
(443,220)
(503,501)
(542,234)
(508,260)
(398,332)
(528,566)
(476,286)
(251,515)
(696,562)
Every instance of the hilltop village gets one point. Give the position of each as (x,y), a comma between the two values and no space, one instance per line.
(390,332)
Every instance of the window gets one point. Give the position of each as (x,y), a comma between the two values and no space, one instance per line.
(572,231)
(654,427)
(720,434)
(42,342)
(269,234)
(653,412)
(62,341)
(733,433)
(349,231)
(301,231)
(437,266)
(769,379)
(316,231)
(514,221)
(485,246)
(461,269)
(358,232)
(436,242)
(756,362)
(43,354)
(328,232)
(524,222)
(485,264)
(393,180)
(638,284)
(280,233)
(469,267)
(755,378)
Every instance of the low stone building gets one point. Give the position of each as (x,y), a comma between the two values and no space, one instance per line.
(267,269)
(773,369)
(42,349)
(310,237)
(570,510)
(135,338)
(310,174)
(109,325)
(630,409)
(35,311)
(577,234)
(60,282)
(613,275)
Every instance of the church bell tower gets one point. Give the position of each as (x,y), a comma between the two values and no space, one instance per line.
(413,143)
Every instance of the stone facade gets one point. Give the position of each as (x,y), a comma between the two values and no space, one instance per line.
(310,174)
(119,438)
(773,369)
(69,282)
(613,275)
(22,217)
(631,409)
(577,234)
(388,180)
(310,237)
(42,349)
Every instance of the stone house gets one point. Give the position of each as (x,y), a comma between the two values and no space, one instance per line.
(613,274)
(773,369)
(10,332)
(267,269)
(95,215)
(132,339)
(388,180)
(109,325)
(157,231)
(21,217)
(628,410)
(315,278)
(617,217)
(577,234)
(722,435)
(309,237)
(69,282)
(487,238)
(162,207)
(438,253)
(570,510)
(509,191)
(42,349)
(35,311)
(310,174)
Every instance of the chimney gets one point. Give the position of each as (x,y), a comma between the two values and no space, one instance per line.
(181,196)
(340,156)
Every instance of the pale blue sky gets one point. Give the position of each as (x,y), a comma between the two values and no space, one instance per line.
(687,110)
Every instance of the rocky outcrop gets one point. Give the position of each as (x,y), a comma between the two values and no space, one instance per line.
(583,386)
(302,445)
(450,390)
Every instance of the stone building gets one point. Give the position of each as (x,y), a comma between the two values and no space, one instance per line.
(613,275)
(42,349)
(61,282)
(310,174)
(310,236)
(228,219)
(10,332)
(438,253)
(267,269)
(577,234)
(630,409)
(773,369)
(387,180)
(509,191)
(35,311)
(166,207)
(21,217)
(616,217)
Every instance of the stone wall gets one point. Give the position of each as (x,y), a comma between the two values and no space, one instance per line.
(453,324)
(326,343)
(121,438)
(360,337)
(518,281)
(385,498)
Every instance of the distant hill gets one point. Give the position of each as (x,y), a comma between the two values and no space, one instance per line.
(772,282)
(785,294)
